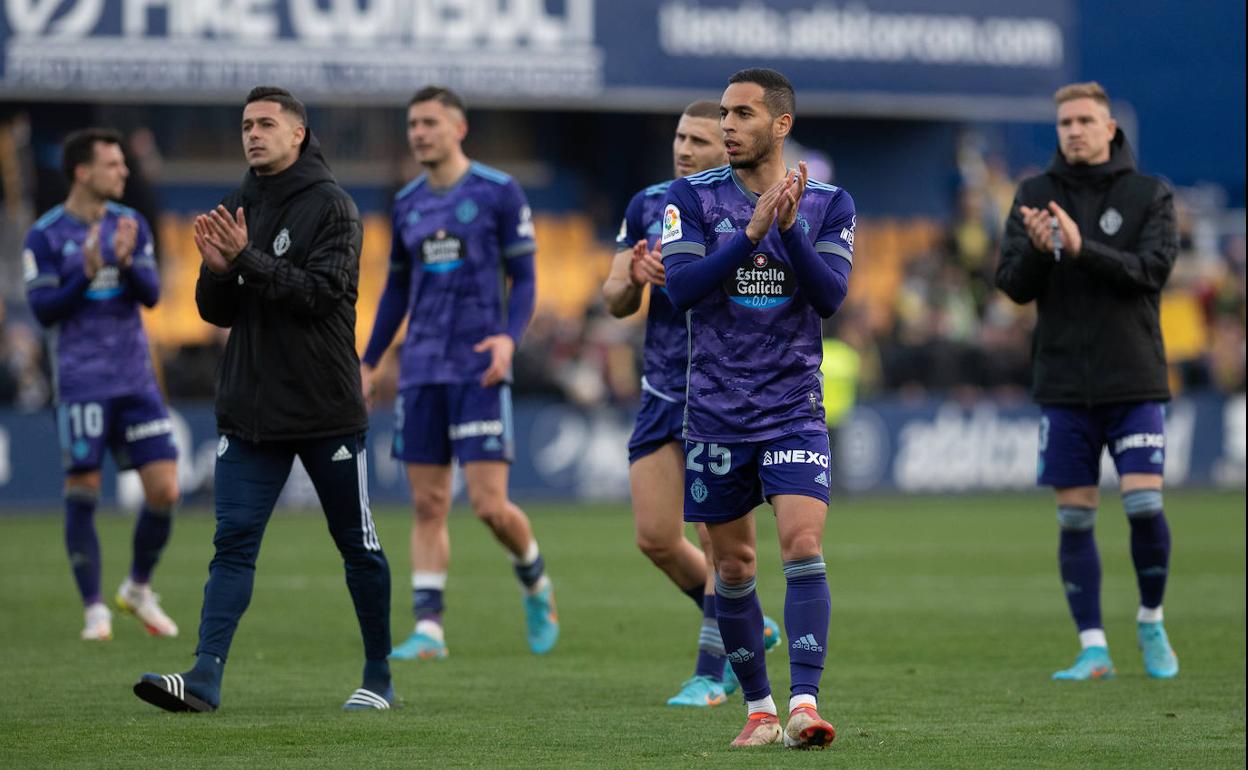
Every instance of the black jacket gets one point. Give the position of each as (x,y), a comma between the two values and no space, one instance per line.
(1098,336)
(290,369)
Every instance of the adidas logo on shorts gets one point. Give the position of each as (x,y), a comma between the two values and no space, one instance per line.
(342,454)
(822,478)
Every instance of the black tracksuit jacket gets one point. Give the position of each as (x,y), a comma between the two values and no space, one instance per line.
(290,369)
(1098,335)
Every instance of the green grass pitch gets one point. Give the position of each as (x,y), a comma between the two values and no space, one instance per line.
(947,621)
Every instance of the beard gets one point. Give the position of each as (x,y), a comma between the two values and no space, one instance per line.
(107,192)
(752,156)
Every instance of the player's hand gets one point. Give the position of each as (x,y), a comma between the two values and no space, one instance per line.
(765,210)
(649,264)
(213,259)
(91,259)
(1037,223)
(635,274)
(501,348)
(227,233)
(786,212)
(124,239)
(1072,241)
(368,383)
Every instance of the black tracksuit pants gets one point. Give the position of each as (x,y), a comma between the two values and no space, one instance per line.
(249,478)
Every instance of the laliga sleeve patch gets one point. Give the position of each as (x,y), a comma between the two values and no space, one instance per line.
(524,228)
(671,224)
(30,269)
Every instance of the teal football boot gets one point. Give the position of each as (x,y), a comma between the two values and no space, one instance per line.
(1092,663)
(699,692)
(1159,659)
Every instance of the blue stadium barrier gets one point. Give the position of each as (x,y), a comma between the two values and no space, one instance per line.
(564,453)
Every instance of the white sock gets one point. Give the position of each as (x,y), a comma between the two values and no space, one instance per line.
(761,706)
(530,554)
(1149,615)
(1093,637)
(435,581)
(801,700)
(431,629)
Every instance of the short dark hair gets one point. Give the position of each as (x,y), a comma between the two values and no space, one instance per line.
(79,148)
(778,92)
(703,108)
(281,97)
(445,96)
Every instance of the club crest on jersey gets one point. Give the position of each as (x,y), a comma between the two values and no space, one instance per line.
(698,491)
(671,224)
(466,211)
(1111,221)
(441,252)
(761,283)
(281,244)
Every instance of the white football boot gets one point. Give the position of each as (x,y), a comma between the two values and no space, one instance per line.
(139,601)
(99,623)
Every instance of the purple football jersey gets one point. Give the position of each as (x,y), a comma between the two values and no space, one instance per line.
(665,356)
(454,242)
(755,343)
(100,350)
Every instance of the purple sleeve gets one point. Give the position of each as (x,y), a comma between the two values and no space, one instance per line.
(143,277)
(50,298)
(515,223)
(52,305)
(823,269)
(520,301)
(691,272)
(393,304)
(390,312)
(823,279)
(690,278)
(633,228)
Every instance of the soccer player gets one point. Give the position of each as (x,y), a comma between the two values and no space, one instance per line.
(1092,242)
(757,254)
(89,264)
(461,272)
(655,450)
(280,268)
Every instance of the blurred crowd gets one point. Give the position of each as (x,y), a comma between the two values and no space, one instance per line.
(927,323)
